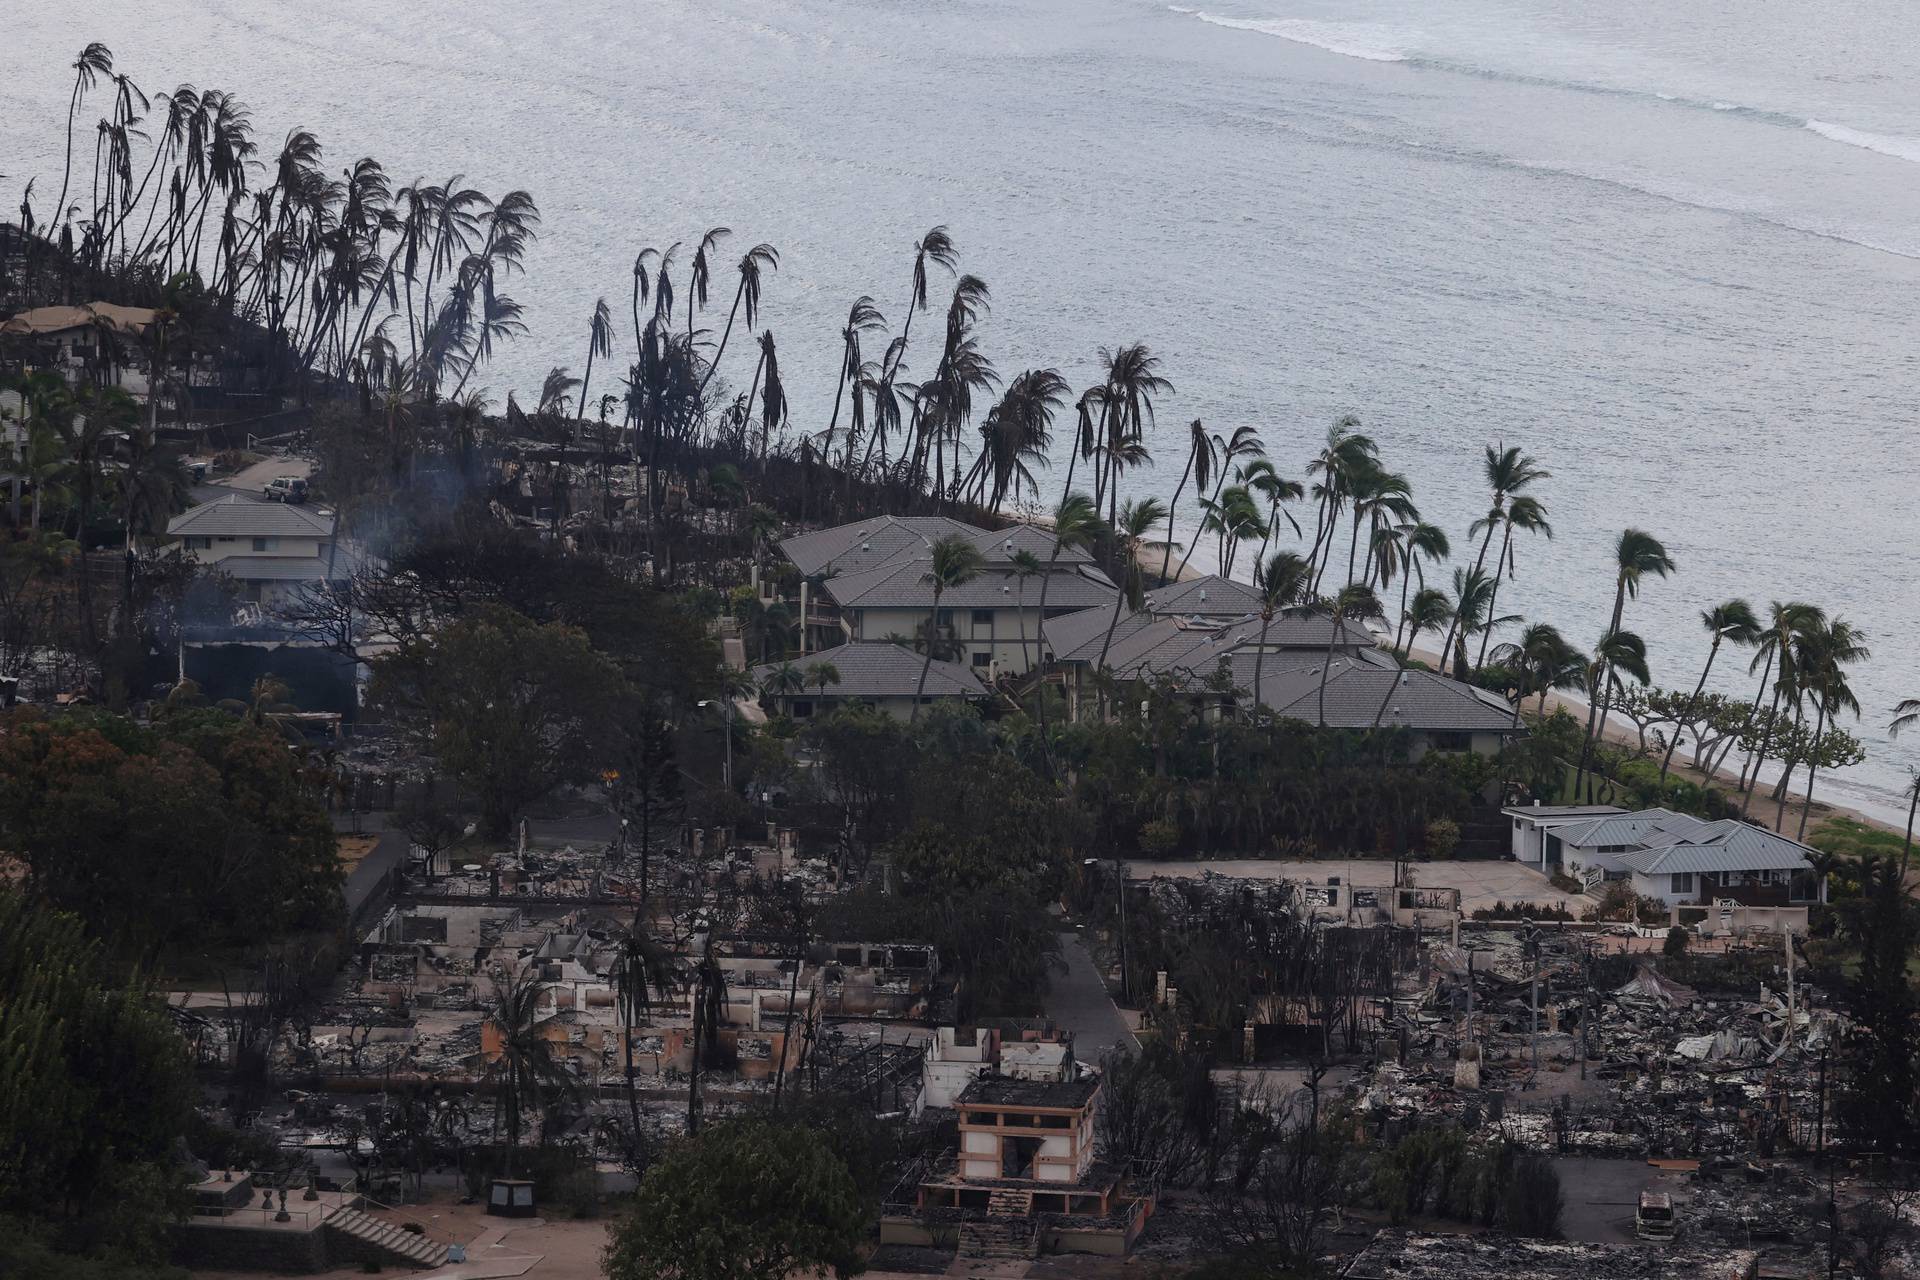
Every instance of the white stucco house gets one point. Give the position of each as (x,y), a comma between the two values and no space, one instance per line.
(270,548)
(1675,858)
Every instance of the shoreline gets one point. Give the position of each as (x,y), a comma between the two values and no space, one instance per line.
(1624,735)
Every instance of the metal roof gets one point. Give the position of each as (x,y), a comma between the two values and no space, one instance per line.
(876,669)
(238,516)
(1726,845)
(1563,812)
(1626,828)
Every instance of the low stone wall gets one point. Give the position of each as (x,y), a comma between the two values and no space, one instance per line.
(204,1246)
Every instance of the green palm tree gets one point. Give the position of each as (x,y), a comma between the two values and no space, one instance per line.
(1774,647)
(1905,716)
(1529,515)
(1835,647)
(1352,602)
(1418,542)
(1637,555)
(1283,584)
(1132,381)
(1244,443)
(1076,522)
(822,676)
(953,561)
(783,681)
(1137,519)
(1429,610)
(1472,613)
(526,1072)
(1508,471)
(1733,620)
(1542,660)
(1026,566)
(1276,490)
(1200,461)
(1345,455)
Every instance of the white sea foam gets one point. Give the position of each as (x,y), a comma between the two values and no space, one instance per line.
(1885,144)
(1348,39)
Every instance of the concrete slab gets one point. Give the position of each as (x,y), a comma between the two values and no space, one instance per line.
(1481,883)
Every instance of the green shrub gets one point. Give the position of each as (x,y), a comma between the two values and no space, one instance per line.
(1443,837)
(1159,838)
(1676,944)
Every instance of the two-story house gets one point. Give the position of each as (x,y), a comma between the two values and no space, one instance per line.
(270,548)
(866,582)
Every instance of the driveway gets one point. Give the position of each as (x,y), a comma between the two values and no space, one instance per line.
(1481,883)
(1078,1002)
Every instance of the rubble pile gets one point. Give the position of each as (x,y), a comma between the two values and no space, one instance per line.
(1548,1059)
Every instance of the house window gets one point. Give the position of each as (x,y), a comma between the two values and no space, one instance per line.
(1451,740)
(1682,883)
(983,658)
(944,617)
(802,708)
(983,617)
(264,544)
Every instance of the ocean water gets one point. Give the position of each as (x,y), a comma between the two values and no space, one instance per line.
(1671,247)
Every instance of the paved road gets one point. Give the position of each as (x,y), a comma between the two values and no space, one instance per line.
(1078,1002)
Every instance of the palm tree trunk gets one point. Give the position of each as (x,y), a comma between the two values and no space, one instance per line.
(1480,561)
(1260,657)
(1758,756)
(1753,710)
(1693,705)
(933,632)
(1406,580)
(1333,634)
(1906,847)
(1173,506)
(1493,599)
(1813,769)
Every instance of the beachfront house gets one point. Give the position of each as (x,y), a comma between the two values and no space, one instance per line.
(1674,858)
(865,583)
(270,548)
(886,676)
(1198,631)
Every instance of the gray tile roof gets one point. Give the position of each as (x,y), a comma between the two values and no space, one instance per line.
(868,544)
(1146,644)
(1212,594)
(865,544)
(1356,690)
(901,585)
(1726,845)
(870,669)
(237,516)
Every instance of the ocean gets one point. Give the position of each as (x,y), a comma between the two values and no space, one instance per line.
(1670,247)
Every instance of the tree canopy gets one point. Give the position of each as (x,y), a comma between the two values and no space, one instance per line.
(204,828)
(749,1199)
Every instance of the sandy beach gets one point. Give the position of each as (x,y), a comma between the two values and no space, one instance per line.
(1761,811)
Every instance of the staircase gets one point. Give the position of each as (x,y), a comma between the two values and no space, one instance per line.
(365,1238)
(1008,1232)
(996,1240)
